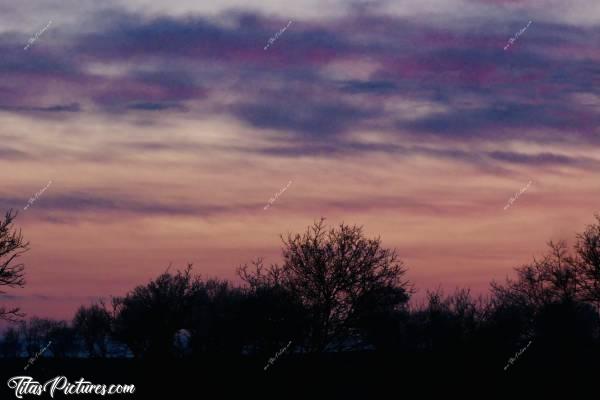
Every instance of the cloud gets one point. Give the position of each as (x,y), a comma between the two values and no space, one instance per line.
(79,202)
(61,208)
(153,64)
(375,87)
(8,153)
(59,108)
(544,159)
(44,297)
(293,114)
(154,106)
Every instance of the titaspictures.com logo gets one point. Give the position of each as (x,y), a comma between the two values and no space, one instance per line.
(24,385)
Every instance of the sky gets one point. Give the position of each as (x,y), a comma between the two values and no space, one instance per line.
(152,133)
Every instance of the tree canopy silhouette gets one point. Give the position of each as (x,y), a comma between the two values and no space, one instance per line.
(147,318)
(273,315)
(12,274)
(337,291)
(587,263)
(335,274)
(94,326)
(551,279)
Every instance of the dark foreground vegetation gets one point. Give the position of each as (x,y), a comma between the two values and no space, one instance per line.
(345,305)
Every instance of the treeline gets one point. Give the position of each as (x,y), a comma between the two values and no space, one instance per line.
(337,291)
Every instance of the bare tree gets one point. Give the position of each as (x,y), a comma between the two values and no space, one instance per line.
(552,279)
(333,273)
(587,249)
(11,274)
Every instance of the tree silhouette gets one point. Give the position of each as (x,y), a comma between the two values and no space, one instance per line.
(335,291)
(147,318)
(11,274)
(62,337)
(381,316)
(446,323)
(36,334)
(552,279)
(332,273)
(552,293)
(587,249)
(10,346)
(93,325)
(215,320)
(507,324)
(272,314)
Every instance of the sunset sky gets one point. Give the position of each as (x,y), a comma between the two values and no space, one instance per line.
(165,127)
